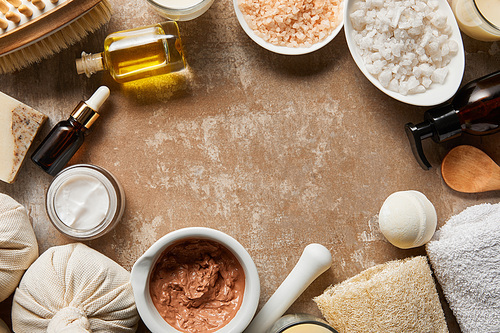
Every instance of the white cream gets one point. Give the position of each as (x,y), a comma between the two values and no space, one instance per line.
(177,4)
(307,328)
(407,219)
(82,202)
(181,10)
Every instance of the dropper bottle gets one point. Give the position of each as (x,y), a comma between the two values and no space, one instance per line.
(137,53)
(475,110)
(67,136)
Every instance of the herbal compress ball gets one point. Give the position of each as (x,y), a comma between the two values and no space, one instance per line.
(73,288)
(18,245)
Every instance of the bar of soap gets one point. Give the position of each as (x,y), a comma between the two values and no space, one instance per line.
(19,125)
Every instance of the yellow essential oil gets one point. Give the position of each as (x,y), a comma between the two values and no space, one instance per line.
(138,53)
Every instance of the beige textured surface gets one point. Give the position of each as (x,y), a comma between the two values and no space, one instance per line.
(276,151)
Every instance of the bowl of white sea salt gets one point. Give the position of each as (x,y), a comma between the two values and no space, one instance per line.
(411,50)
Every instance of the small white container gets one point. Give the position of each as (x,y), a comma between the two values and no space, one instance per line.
(84,201)
(479,19)
(301,323)
(143,268)
(179,10)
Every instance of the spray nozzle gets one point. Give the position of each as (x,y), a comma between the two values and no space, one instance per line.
(416,133)
(440,124)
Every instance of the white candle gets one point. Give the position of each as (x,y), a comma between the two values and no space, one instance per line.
(471,16)
(307,328)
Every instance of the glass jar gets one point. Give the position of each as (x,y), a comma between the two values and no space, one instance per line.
(84,201)
(301,323)
(180,10)
(479,19)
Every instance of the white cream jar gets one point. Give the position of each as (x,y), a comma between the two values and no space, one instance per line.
(180,10)
(84,201)
(301,323)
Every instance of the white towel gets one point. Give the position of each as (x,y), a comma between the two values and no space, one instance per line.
(465,256)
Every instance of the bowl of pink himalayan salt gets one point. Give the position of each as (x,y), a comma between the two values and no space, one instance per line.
(290,27)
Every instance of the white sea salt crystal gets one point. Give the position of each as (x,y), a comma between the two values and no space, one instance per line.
(412,82)
(417,72)
(406,44)
(403,88)
(417,90)
(439,75)
(394,85)
(385,78)
(433,4)
(453,45)
(426,82)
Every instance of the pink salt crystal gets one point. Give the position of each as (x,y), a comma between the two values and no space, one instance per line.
(301,23)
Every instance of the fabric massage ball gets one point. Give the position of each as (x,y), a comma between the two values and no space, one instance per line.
(3,327)
(74,289)
(18,245)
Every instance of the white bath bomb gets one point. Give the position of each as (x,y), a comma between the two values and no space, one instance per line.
(407,219)
(18,245)
(74,289)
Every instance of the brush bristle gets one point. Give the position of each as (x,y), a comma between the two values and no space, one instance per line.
(59,40)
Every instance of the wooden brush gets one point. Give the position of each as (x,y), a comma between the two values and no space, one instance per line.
(34,30)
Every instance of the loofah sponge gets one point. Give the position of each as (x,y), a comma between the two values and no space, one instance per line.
(398,296)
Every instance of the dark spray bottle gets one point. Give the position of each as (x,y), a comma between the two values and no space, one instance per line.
(475,110)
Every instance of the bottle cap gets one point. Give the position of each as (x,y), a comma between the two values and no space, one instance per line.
(89,63)
(86,113)
(98,98)
(440,124)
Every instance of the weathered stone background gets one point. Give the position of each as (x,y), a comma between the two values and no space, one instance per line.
(277,151)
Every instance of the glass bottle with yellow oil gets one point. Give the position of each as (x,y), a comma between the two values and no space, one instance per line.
(137,53)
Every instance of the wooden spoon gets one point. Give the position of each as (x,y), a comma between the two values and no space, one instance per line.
(468,169)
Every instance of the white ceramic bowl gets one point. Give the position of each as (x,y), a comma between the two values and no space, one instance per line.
(143,268)
(437,93)
(282,49)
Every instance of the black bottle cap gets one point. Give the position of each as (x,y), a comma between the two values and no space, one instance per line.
(440,124)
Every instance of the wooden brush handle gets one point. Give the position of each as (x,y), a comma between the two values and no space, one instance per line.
(40,27)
